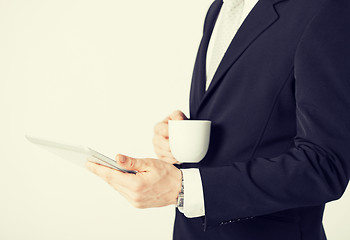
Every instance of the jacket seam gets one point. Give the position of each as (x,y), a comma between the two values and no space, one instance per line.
(307,27)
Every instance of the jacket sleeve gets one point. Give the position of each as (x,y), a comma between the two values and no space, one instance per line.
(315,170)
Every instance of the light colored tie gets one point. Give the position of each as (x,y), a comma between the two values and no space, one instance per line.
(227,24)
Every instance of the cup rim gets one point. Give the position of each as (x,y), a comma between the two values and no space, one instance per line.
(191,121)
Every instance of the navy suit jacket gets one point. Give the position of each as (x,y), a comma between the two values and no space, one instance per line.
(280,110)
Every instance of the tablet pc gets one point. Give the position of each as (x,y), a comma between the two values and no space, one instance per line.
(76,154)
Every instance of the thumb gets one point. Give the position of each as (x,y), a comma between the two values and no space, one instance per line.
(129,162)
(178,115)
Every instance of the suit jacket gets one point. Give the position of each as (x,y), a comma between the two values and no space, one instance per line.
(280,110)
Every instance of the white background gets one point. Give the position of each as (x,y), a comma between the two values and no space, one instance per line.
(100,73)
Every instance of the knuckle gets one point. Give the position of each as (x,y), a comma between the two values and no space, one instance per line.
(177,114)
(165,147)
(161,129)
(164,131)
(156,127)
(137,201)
(132,163)
(109,178)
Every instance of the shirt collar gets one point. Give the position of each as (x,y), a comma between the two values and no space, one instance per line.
(232,1)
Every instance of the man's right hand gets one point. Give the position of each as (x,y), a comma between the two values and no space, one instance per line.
(161,137)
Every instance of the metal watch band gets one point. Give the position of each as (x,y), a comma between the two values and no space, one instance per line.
(181,196)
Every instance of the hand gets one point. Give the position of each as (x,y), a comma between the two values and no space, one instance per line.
(161,137)
(156,183)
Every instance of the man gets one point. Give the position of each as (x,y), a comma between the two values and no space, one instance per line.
(277,93)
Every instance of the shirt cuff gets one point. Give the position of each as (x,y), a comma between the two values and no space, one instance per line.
(193,193)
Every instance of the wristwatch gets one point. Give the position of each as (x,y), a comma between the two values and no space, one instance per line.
(181,196)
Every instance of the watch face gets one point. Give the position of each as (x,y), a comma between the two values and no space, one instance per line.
(180,202)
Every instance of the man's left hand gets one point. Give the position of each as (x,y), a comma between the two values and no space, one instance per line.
(156,183)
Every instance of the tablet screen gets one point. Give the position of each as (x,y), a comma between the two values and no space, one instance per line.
(76,154)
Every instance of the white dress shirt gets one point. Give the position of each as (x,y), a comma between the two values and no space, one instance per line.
(193,190)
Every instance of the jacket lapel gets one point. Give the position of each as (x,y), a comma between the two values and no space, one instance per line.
(259,19)
(199,71)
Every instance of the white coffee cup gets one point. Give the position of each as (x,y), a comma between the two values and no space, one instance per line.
(189,139)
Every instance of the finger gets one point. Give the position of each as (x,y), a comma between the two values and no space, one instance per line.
(161,129)
(124,187)
(117,179)
(170,160)
(104,172)
(165,120)
(131,163)
(161,142)
(163,154)
(178,115)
